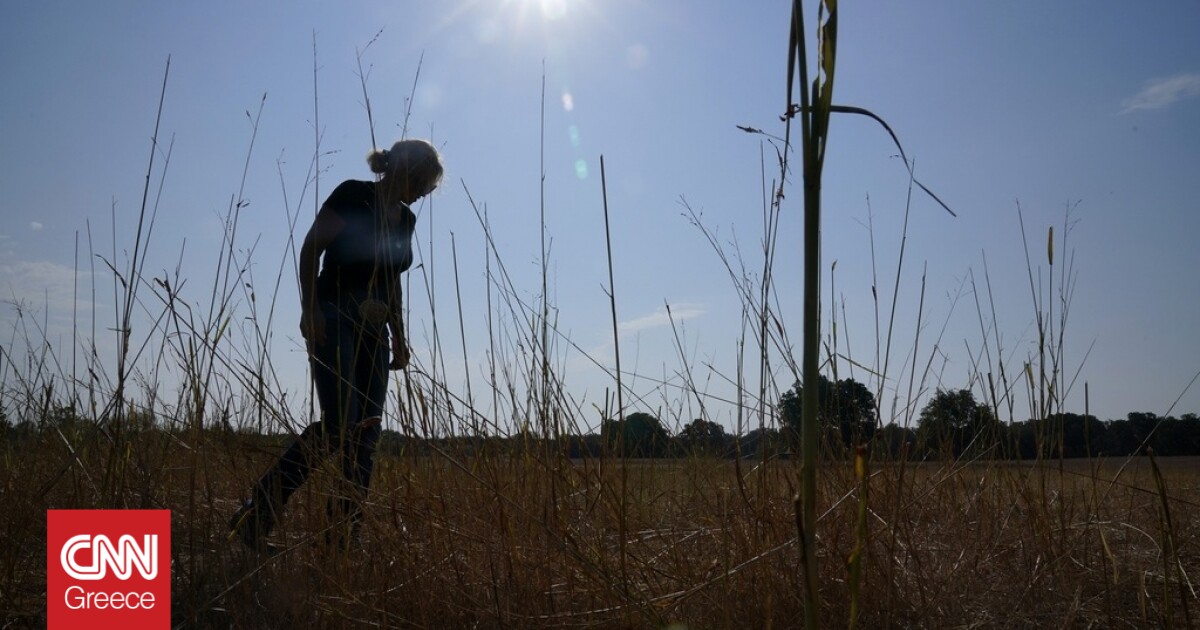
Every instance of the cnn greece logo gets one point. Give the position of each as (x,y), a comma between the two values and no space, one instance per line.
(103,568)
(120,557)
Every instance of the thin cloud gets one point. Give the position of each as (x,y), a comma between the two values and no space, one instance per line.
(1163,92)
(40,284)
(35,226)
(660,318)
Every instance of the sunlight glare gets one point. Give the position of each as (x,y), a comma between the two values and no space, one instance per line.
(487,31)
(553,9)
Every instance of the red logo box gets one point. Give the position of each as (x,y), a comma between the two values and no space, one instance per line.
(108,569)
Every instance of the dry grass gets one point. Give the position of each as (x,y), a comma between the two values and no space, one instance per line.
(509,541)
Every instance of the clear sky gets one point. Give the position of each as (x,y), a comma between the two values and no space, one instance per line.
(1081,105)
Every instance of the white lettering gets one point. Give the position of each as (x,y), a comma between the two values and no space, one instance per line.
(76,602)
(79,599)
(120,558)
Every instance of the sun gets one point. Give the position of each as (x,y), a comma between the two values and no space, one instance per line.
(546,11)
(552,18)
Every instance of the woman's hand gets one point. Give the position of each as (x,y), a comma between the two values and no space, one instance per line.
(312,326)
(400,354)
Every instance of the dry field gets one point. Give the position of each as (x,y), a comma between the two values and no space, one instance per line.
(541,541)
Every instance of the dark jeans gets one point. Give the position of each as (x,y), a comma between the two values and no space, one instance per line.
(350,377)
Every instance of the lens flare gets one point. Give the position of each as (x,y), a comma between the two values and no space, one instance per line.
(636,56)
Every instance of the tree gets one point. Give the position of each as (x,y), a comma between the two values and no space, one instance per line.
(1182,436)
(1143,424)
(1173,437)
(895,438)
(763,443)
(1120,439)
(846,411)
(703,437)
(1081,435)
(1023,439)
(640,435)
(953,422)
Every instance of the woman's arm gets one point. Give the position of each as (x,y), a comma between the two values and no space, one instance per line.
(400,353)
(324,229)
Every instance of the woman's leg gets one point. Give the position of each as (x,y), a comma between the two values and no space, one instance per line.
(331,365)
(358,449)
(345,510)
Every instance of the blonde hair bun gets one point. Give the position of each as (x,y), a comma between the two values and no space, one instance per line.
(378,161)
(415,161)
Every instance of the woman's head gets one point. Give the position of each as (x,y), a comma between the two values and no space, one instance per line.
(412,168)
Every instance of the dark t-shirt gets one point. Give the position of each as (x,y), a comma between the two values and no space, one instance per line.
(366,258)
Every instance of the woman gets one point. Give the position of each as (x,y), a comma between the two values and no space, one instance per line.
(363,234)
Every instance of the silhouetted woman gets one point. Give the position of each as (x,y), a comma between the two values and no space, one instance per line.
(349,312)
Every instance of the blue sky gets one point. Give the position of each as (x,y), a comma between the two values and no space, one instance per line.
(1050,106)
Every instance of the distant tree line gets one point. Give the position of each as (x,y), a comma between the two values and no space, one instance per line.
(951,424)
